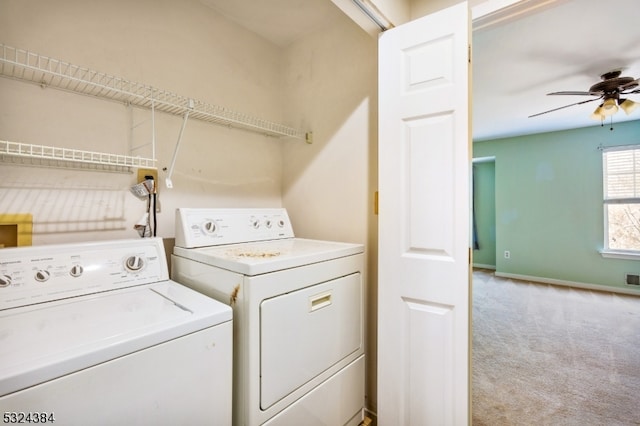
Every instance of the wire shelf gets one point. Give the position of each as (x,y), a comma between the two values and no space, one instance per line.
(48,72)
(23,150)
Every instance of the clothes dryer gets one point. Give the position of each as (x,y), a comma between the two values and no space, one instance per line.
(298,313)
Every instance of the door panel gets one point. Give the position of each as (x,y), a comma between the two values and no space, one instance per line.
(428,201)
(429,348)
(424,223)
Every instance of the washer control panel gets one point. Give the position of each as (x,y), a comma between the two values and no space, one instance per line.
(212,227)
(37,274)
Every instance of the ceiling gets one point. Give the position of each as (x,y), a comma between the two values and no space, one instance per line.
(564,48)
(515,64)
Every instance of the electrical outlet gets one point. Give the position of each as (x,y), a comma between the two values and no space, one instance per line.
(147,172)
(507,254)
(142,176)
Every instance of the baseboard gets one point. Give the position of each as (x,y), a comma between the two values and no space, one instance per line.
(482,266)
(587,286)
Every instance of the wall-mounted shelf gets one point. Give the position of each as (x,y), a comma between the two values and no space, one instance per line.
(61,156)
(48,72)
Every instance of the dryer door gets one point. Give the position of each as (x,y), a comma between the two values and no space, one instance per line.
(306,332)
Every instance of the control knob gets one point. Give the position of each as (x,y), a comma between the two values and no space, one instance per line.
(134,263)
(209,227)
(255,223)
(42,275)
(5,280)
(76,270)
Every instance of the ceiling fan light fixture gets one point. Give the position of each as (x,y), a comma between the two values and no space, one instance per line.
(598,114)
(609,107)
(628,106)
(607,91)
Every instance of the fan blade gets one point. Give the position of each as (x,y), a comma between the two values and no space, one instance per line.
(630,85)
(575,93)
(566,106)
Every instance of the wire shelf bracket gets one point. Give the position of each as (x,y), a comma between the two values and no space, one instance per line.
(168,182)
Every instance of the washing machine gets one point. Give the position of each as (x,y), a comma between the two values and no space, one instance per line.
(298,313)
(97,334)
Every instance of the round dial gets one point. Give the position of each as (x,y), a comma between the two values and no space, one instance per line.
(76,270)
(134,263)
(5,280)
(255,223)
(209,227)
(268,223)
(42,275)
(281,223)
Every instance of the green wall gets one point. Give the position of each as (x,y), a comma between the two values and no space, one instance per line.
(548,201)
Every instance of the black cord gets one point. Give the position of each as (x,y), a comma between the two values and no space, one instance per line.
(153,230)
(155,223)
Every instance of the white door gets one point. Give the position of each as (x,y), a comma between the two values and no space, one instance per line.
(424,216)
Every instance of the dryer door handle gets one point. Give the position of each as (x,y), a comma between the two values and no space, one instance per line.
(319,301)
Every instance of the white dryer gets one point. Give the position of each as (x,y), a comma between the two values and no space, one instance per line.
(97,334)
(298,313)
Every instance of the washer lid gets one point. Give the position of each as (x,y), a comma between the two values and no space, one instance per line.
(269,256)
(46,341)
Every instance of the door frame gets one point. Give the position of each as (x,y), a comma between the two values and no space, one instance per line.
(493,12)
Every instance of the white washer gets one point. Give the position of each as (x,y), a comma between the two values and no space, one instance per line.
(298,313)
(96,333)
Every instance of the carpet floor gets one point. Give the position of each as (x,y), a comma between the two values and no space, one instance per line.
(550,355)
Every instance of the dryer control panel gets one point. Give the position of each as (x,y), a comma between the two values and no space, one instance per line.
(213,227)
(30,275)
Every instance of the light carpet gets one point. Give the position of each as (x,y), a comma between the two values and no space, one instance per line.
(550,355)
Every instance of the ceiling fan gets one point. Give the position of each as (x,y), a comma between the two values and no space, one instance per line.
(609,90)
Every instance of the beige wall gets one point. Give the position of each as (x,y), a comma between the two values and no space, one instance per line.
(180,46)
(421,8)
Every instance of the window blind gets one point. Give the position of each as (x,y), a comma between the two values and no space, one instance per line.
(621,169)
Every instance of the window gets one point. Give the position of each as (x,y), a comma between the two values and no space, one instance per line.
(621,182)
